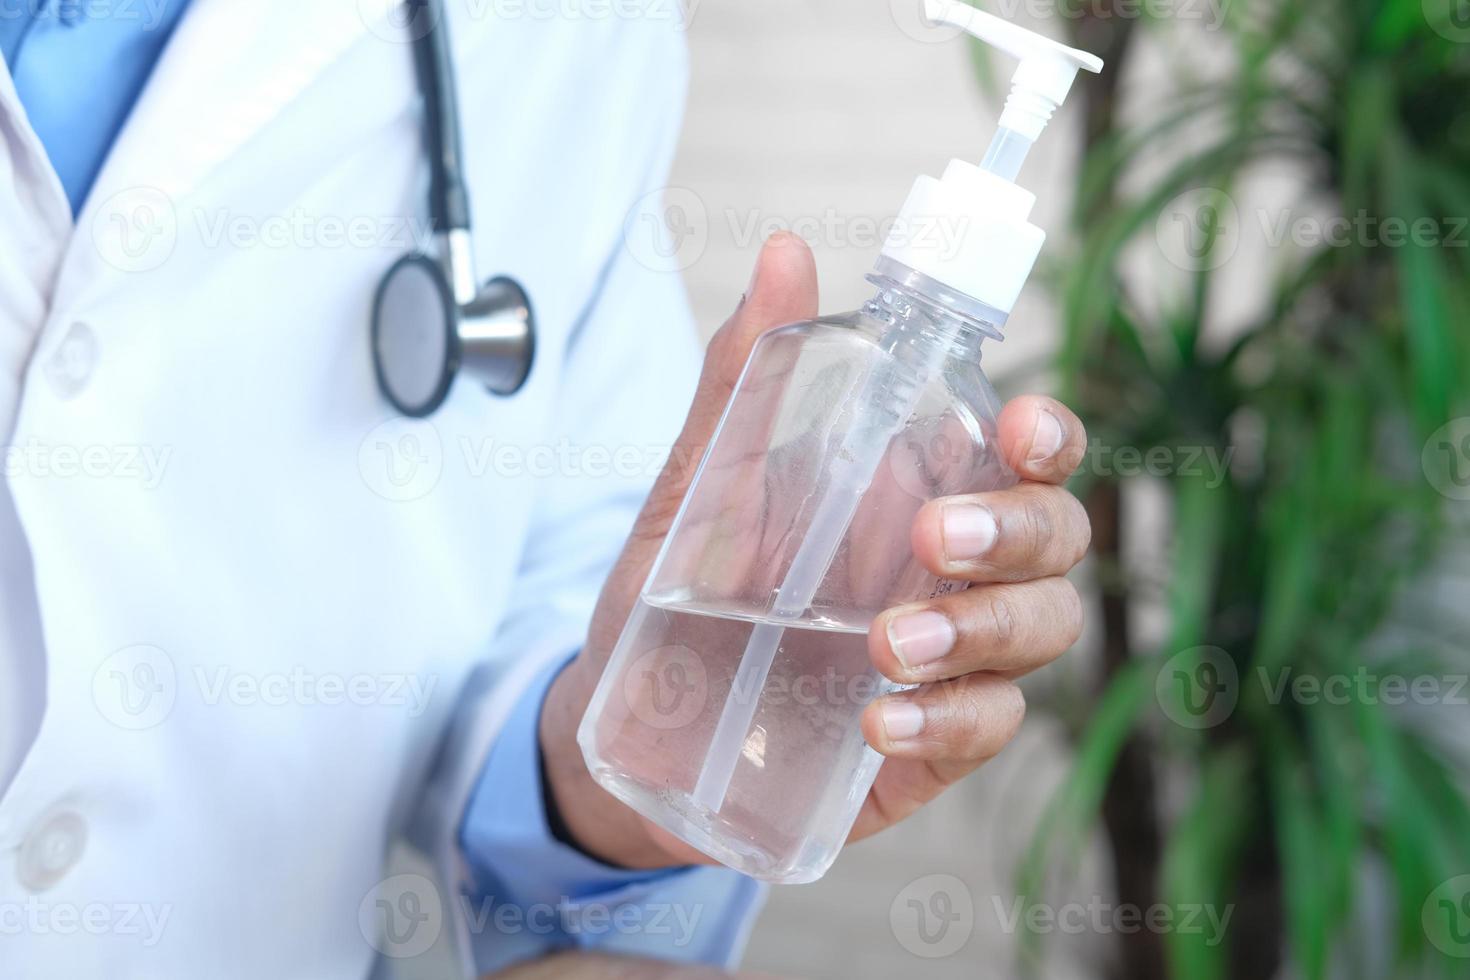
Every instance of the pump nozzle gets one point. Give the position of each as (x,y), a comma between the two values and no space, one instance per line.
(1041,82)
(970,231)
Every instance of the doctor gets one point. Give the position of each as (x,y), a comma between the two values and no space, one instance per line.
(255,625)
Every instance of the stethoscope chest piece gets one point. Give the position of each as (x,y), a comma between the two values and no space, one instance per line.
(415,343)
(422,337)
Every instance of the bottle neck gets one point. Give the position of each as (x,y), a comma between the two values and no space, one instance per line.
(921,311)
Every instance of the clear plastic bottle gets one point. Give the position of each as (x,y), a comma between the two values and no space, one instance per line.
(904,372)
(729,710)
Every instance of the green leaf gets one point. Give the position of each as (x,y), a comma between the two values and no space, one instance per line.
(1300,838)
(1332,756)
(1406,829)
(1397,21)
(1093,289)
(1200,858)
(1198,522)
(1070,812)
(1291,572)
(1422,296)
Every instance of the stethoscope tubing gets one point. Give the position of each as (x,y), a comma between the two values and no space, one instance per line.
(449,208)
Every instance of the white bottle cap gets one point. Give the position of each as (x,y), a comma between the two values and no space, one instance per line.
(970,230)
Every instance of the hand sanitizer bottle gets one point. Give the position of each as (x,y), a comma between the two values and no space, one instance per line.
(729,711)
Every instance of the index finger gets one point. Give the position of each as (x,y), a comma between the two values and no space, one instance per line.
(1041,439)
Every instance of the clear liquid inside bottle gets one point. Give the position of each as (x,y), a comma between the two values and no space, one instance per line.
(793,536)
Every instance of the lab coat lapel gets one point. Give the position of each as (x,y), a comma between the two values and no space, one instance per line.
(231,67)
(29,166)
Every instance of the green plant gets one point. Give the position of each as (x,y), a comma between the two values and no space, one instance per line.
(1294,562)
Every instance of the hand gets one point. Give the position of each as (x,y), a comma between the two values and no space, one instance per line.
(964,649)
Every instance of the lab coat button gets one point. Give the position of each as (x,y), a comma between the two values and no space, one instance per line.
(51,850)
(71,365)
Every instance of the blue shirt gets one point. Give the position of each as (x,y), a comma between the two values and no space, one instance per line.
(78,75)
(78,79)
(532,893)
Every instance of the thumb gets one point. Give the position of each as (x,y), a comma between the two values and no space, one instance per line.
(782,290)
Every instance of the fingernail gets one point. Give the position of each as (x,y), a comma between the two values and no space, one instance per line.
(920,638)
(1046,438)
(902,720)
(969,531)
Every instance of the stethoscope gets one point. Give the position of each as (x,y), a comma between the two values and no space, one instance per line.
(430,318)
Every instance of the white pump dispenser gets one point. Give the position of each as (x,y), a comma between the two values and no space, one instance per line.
(989,255)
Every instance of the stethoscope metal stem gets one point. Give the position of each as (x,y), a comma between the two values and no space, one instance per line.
(457,248)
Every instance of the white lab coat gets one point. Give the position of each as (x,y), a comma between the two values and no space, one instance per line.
(247,597)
